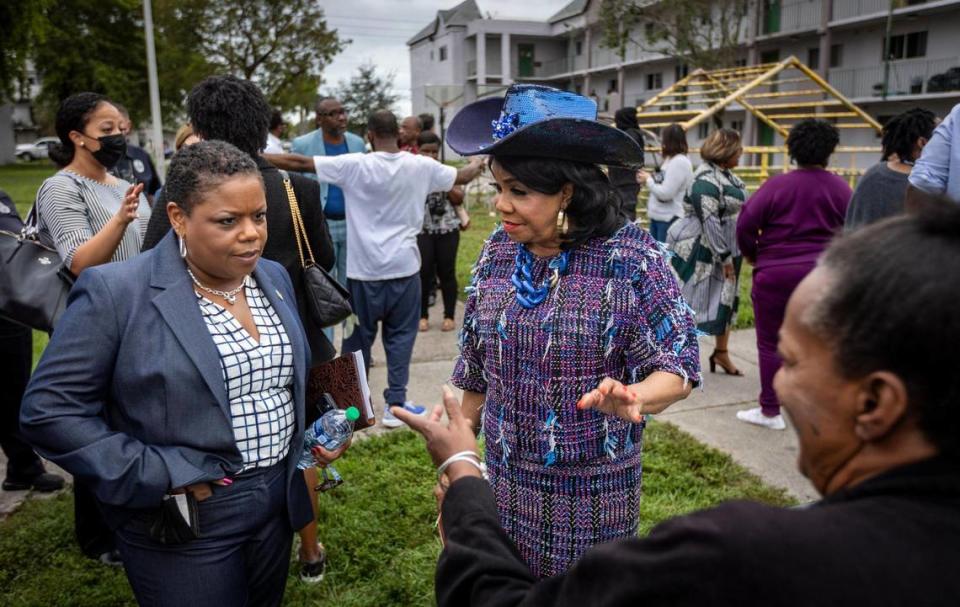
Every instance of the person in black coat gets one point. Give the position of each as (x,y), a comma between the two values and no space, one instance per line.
(229,109)
(24,469)
(625,180)
(878,422)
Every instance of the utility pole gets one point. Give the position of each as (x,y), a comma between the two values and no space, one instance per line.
(886,51)
(154,89)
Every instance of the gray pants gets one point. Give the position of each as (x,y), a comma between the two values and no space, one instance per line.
(395,303)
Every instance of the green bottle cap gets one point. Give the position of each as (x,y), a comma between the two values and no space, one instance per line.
(353,414)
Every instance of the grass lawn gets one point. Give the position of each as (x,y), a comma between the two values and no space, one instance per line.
(377,527)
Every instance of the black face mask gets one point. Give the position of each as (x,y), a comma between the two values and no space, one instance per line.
(112,149)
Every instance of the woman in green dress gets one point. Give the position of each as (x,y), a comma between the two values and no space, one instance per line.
(707,259)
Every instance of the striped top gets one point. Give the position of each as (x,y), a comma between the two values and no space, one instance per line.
(258,377)
(73,208)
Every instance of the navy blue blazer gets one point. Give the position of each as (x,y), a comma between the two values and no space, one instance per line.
(129,396)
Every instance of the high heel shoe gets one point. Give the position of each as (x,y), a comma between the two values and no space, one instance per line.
(713,365)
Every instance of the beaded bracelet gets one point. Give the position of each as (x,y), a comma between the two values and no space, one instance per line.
(463,456)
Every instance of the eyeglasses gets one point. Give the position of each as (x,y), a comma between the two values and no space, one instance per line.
(340,112)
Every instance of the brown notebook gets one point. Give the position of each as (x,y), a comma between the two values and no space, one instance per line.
(344,381)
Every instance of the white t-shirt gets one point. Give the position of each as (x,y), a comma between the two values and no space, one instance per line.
(384,195)
(274,145)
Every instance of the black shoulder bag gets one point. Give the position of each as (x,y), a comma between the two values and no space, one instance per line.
(327,300)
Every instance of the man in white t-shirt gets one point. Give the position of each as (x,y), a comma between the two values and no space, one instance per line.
(384,193)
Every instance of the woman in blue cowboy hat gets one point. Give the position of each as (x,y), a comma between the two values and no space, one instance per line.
(570,306)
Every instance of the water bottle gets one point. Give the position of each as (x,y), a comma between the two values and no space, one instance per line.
(331,431)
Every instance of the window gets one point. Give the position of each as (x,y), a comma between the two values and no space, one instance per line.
(737,125)
(578,48)
(443,53)
(836,55)
(681,71)
(612,85)
(771,16)
(907,46)
(654,81)
(813,58)
(740,63)
(703,130)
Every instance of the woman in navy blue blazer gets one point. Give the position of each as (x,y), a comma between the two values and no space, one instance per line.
(181,371)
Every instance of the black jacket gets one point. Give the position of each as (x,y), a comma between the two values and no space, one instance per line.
(892,540)
(281,244)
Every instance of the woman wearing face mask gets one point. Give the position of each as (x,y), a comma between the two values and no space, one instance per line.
(90,216)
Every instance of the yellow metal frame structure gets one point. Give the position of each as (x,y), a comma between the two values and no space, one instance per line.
(777,94)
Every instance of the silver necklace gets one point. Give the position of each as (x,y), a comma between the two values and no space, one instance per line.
(230,296)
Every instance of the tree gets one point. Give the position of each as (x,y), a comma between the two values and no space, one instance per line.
(701,33)
(91,45)
(281,45)
(364,93)
(18,20)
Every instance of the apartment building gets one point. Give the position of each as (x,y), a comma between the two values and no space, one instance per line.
(461,56)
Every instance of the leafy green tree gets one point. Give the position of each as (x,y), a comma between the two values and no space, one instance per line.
(701,33)
(366,92)
(281,45)
(18,20)
(91,45)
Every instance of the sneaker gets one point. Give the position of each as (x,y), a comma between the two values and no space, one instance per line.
(111,558)
(391,421)
(312,573)
(755,416)
(44,483)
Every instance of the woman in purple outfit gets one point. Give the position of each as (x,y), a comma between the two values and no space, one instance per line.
(569,304)
(782,230)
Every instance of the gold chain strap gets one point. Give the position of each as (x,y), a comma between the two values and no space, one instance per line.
(299,230)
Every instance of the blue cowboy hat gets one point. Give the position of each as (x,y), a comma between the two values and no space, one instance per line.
(541,121)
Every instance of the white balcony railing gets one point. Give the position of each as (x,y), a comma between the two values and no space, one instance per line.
(845,9)
(794,16)
(907,77)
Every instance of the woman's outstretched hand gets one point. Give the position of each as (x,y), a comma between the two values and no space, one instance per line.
(613,398)
(444,440)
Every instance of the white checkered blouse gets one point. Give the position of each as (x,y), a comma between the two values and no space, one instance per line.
(258,377)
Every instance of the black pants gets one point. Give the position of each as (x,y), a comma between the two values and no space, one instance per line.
(438,259)
(16,357)
(241,557)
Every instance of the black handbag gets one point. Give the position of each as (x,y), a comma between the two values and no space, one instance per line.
(34,283)
(328,302)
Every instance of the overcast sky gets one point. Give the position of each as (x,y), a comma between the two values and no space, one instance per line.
(380,28)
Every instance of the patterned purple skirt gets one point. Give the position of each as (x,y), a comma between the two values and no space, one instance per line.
(555,514)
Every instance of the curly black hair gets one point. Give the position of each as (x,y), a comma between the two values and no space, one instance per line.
(811,142)
(427,138)
(197,169)
(73,115)
(594,210)
(900,133)
(232,110)
(892,307)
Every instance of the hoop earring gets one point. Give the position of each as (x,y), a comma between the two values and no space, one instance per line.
(563,224)
(183,246)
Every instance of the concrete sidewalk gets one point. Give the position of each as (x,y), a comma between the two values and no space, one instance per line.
(708,414)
